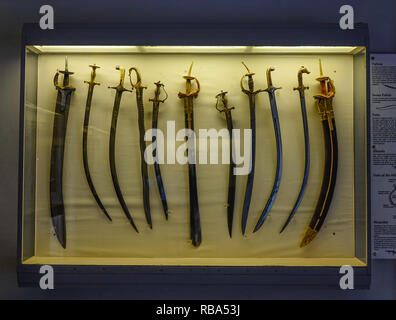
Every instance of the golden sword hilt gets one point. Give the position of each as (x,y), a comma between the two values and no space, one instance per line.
(325,98)
(120,87)
(222,102)
(188,105)
(189,91)
(159,88)
(301,88)
(92,82)
(66,74)
(270,87)
(138,84)
(249,75)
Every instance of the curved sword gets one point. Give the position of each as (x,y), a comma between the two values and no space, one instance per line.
(117,101)
(252,106)
(91,85)
(325,108)
(156,102)
(142,144)
(278,174)
(188,96)
(222,106)
(57,153)
(301,92)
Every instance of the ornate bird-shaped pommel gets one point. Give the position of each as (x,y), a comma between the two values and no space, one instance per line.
(270,87)
(159,88)
(222,103)
(92,82)
(66,73)
(120,87)
(301,88)
(138,84)
(189,90)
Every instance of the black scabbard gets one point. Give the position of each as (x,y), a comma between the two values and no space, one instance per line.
(56,167)
(330,176)
(195,220)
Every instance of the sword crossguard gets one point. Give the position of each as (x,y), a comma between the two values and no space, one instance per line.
(157,93)
(189,91)
(270,87)
(93,76)
(138,84)
(249,75)
(222,102)
(120,87)
(301,86)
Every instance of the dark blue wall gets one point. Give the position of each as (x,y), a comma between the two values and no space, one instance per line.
(379,14)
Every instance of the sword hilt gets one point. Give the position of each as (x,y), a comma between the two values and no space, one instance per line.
(270,87)
(66,74)
(327,89)
(138,84)
(249,75)
(120,87)
(301,86)
(157,93)
(325,98)
(189,92)
(92,82)
(222,102)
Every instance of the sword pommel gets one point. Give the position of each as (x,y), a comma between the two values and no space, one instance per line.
(120,87)
(269,80)
(301,86)
(222,102)
(189,91)
(159,87)
(93,75)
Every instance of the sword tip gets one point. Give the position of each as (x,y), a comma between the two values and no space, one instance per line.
(309,235)
(59,224)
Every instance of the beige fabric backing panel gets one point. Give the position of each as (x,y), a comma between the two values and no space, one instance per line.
(89,234)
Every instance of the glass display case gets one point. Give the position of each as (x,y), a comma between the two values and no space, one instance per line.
(62,224)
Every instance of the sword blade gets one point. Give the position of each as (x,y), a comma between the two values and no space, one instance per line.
(278,173)
(250,179)
(113,170)
(85,152)
(156,164)
(195,220)
(306,167)
(143,164)
(56,167)
(231,178)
